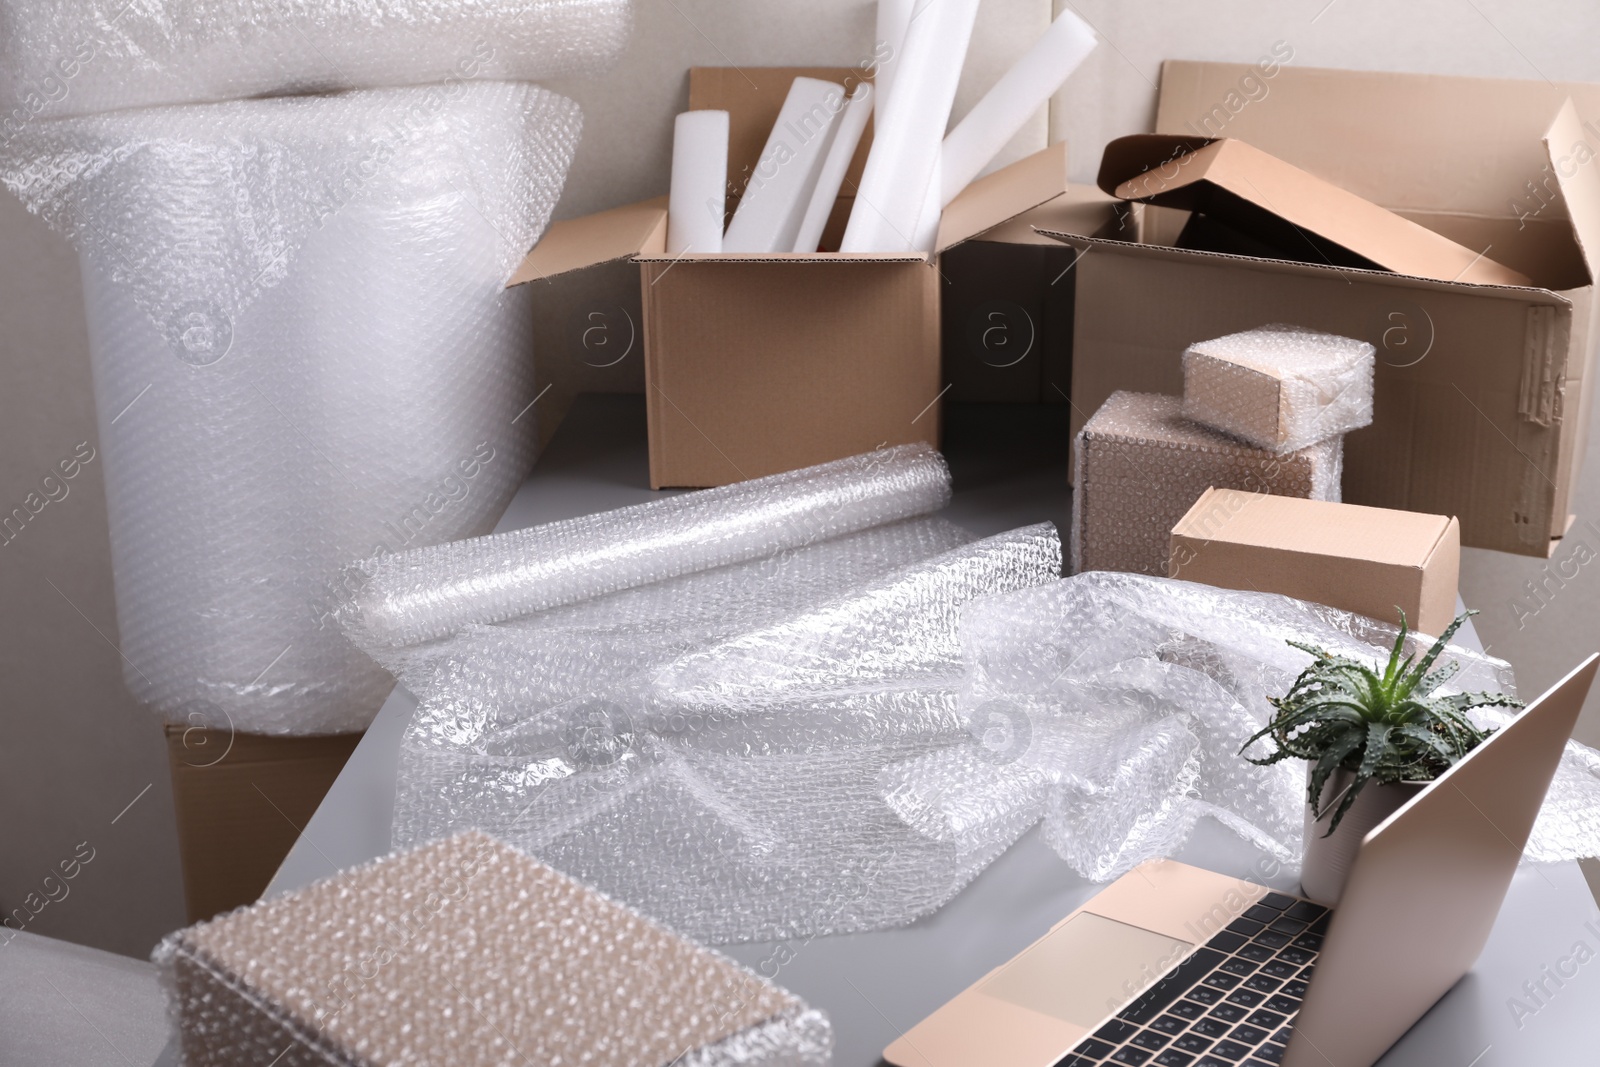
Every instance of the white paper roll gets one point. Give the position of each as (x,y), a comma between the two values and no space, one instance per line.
(697,203)
(910,130)
(925,238)
(831,178)
(779,190)
(894,17)
(1019,93)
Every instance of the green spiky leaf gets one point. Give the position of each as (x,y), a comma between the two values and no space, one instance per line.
(1381,726)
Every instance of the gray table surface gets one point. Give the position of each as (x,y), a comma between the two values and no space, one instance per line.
(1009,465)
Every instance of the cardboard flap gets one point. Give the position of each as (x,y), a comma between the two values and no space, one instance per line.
(1126,158)
(1570,151)
(1266,200)
(1003,195)
(595,239)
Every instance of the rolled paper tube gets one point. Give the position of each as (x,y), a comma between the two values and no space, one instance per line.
(1019,93)
(697,203)
(831,179)
(894,16)
(910,130)
(779,190)
(925,238)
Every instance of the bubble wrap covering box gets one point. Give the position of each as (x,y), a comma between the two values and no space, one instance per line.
(1114,705)
(59,59)
(467,952)
(1282,388)
(1141,465)
(707,746)
(303,355)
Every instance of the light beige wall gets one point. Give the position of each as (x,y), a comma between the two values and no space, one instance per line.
(73,748)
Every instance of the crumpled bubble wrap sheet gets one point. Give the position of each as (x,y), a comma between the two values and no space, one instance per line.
(1282,388)
(1114,705)
(1140,465)
(60,59)
(303,354)
(723,776)
(705,741)
(468,952)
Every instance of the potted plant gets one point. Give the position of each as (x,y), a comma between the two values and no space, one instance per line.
(1371,742)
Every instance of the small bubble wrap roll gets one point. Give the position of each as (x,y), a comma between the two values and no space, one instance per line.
(1281,388)
(1141,465)
(469,953)
(1114,706)
(60,59)
(303,354)
(411,597)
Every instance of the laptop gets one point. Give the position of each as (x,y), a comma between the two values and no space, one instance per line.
(1174,966)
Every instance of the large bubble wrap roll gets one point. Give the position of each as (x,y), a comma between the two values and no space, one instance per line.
(303,354)
(60,59)
(417,596)
(469,953)
(1114,706)
(708,747)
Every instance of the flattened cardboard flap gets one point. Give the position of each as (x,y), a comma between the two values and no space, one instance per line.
(1255,193)
(1003,195)
(1571,154)
(592,240)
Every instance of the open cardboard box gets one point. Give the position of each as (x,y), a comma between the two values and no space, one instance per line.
(760,364)
(1482,391)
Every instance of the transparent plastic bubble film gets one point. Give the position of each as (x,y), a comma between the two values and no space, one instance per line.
(1113,706)
(62,59)
(407,598)
(1282,388)
(1140,466)
(708,746)
(468,952)
(303,354)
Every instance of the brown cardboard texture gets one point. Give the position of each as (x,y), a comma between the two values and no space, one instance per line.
(1366,560)
(1482,392)
(760,364)
(1141,465)
(242,800)
(1287,212)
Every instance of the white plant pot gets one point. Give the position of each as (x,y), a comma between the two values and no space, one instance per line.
(1328,858)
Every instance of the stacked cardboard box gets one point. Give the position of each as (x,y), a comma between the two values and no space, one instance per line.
(1265,410)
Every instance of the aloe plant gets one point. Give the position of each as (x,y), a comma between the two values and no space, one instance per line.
(1387,727)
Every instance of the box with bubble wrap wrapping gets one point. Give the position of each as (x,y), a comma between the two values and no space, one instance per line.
(468,952)
(1282,388)
(1141,465)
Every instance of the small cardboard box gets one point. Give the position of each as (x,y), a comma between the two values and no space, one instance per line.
(1482,392)
(242,800)
(1366,560)
(756,365)
(1141,464)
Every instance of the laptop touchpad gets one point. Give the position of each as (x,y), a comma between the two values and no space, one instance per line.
(1086,969)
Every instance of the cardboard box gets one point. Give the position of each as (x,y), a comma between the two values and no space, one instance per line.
(1006,302)
(1141,465)
(1366,560)
(760,364)
(1279,388)
(1482,392)
(470,953)
(242,800)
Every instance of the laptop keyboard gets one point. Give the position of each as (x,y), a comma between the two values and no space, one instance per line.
(1230,1004)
